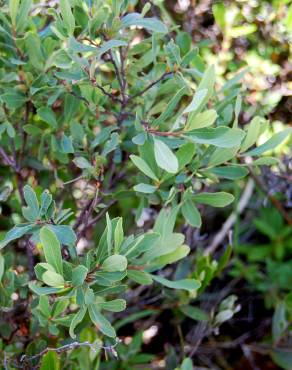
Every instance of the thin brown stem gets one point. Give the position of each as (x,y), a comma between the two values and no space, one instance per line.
(165,74)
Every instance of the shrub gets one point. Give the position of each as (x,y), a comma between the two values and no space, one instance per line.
(112,135)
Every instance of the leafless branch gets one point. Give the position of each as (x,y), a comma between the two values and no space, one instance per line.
(111,348)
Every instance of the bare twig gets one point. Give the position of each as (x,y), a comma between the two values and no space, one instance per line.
(97,217)
(68,347)
(165,74)
(119,77)
(6,159)
(243,202)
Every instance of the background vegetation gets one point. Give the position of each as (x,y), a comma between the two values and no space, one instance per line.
(146,193)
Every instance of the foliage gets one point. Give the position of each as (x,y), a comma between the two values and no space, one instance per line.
(116,138)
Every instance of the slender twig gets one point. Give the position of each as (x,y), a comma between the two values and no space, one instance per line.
(271,197)
(87,215)
(111,96)
(6,159)
(5,364)
(165,74)
(118,75)
(165,133)
(99,215)
(68,347)
(243,202)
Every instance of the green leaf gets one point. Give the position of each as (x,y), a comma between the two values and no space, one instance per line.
(100,321)
(13,9)
(67,15)
(59,307)
(46,201)
(82,163)
(140,277)
(222,137)
(185,154)
(16,233)
(279,322)
(44,306)
(108,45)
(197,101)
(220,199)
(43,290)
(207,82)
(194,313)
(52,249)
(184,284)
(113,263)
(33,46)
(118,235)
(50,361)
(282,358)
(170,107)
(66,144)
(78,47)
(240,31)
(31,212)
(181,252)
(265,161)
(219,12)
(252,134)
(151,24)
(145,188)
(221,155)
(191,213)
(143,166)
(111,144)
(164,157)
(187,364)
(142,244)
(2,266)
(116,305)
(271,144)
(64,233)
(288,23)
(14,99)
(79,274)
(229,172)
(47,115)
(201,120)
(22,15)
(77,318)
(53,279)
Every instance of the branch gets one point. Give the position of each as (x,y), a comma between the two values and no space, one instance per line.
(119,77)
(243,202)
(273,199)
(95,219)
(68,347)
(6,159)
(165,133)
(111,96)
(165,74)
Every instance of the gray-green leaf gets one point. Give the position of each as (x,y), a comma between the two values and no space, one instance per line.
(113,263)
(100,321)
(185,284)
(164,157)
(220,199)
(191,213)
(52,249)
